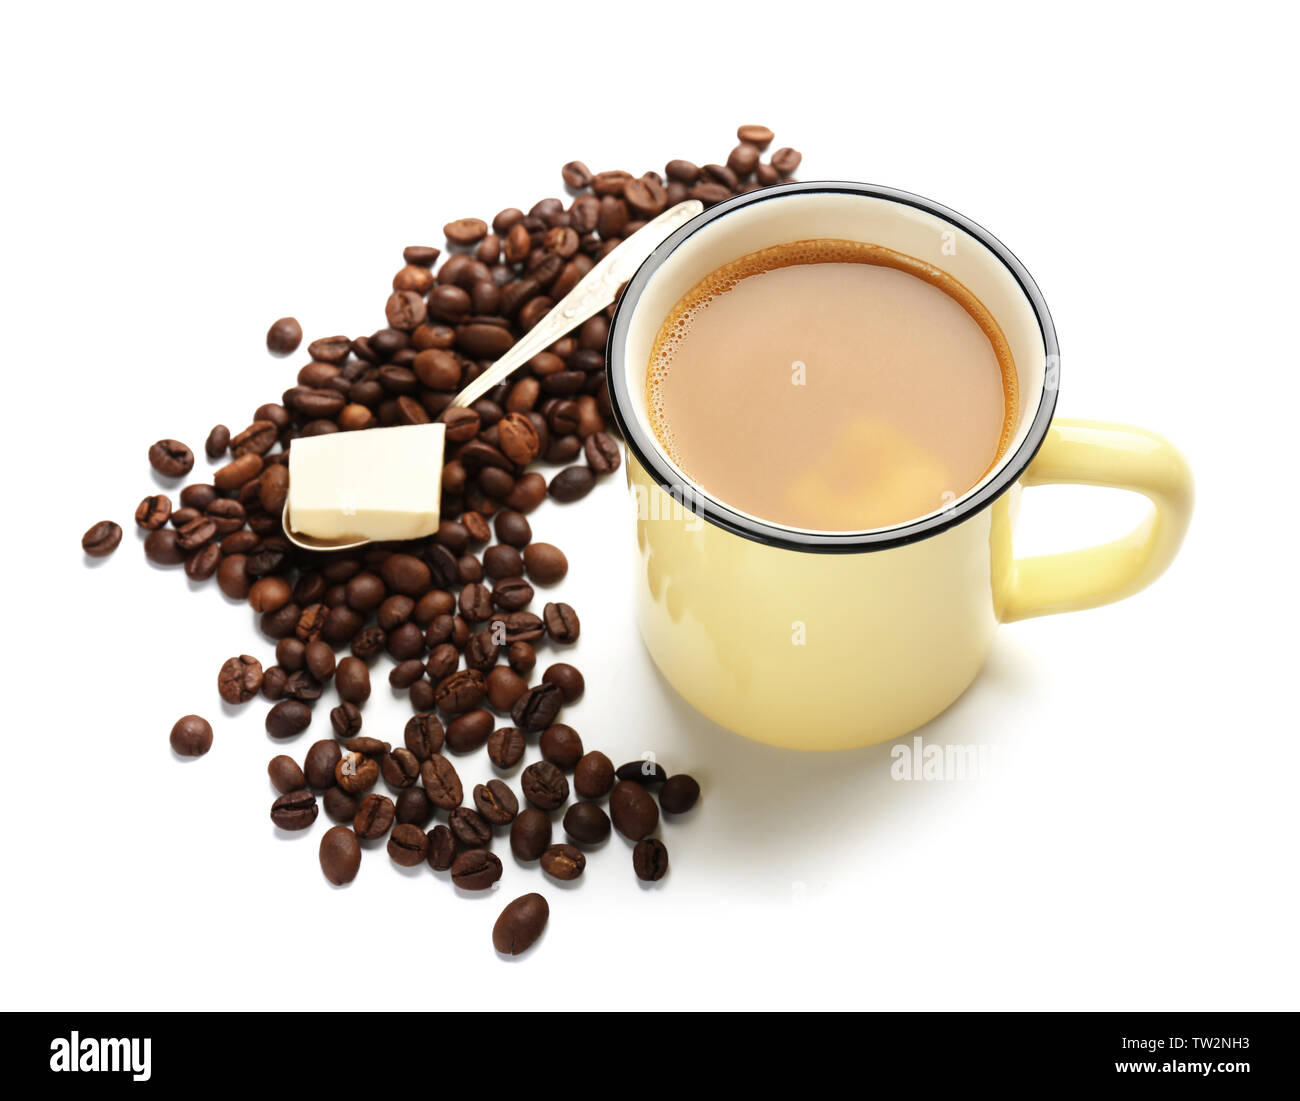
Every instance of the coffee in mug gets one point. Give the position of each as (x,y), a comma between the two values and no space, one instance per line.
(832,385)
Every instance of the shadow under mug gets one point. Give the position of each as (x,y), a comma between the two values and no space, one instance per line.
(830,640)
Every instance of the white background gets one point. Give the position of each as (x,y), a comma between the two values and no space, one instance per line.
(176,177)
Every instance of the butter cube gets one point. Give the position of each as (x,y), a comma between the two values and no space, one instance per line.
(378,483)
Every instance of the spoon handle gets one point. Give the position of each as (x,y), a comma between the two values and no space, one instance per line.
(594,292)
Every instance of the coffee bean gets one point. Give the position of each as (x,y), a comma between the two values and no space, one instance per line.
(518,438)
(530,834)
(408,845)
(441,782)
(645,772)
(356,773)
(521,656)
(287,719)
(602,453)
(367,644)
(413,807)
(217,442)
(257,439)
(496,802)
(284,336)
(563,862)
(679,793)
(520,924)
(191,736)
(475,870)
(506,747)
(519,626)
(546,564)
(650,859)
(567,678)
(682,171)
(346,720)
(161,547)
(472,830)
(476,602)
(633,810)
(295,810)
(424,736)
(586,823)
(501,561)
(504,687)
(512,528)
(442,848)
(465,231)
(374,817)
(576,176)
(400,768)
(153,512)
(561,622)
(561,746)
(340,855)
(544,785)
(171,458)
(320,762)
(203,563)
(285,774)
(101,539)
(423,255)
(594,776)
(571,484)
(511,595)
(352,679)
(240,679)
(339,805)
(367,746)
(536,709)
(460,692)
(406,673)
(469,731)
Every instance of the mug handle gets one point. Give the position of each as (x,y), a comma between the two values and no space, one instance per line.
(1080,452)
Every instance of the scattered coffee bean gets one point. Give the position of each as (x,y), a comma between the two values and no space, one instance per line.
(506,747)
(561,623)
(536,709)
(644,772)
(496,802)
(520,924)
(191,736)
(340,855)
(374,817)
(101,539)
(594,776)
(586,823)
(442,848)
(475,870)
(346,720)
(400,768)
(352,679)
(679,793)
(472,830)
(287,719)
(356,773)
(153,512)
(408,845)
(240,679)
(413,807)
(530,834)
(572,484)
(171,458)
(285,774)
(546,564)
(650,859)
(561,745)
(567,678)
(284,336)
(295,810)
(340,806)
(563,862)
(217,442)
(319,764)
(424,736)
(544,785)
(633,810)
(441,782)
(469,731)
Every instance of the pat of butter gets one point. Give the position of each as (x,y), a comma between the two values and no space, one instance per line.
(377,483)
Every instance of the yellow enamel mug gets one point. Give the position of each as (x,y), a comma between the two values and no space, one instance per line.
(881,630)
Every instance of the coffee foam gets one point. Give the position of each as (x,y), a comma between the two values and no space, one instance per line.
(818,251)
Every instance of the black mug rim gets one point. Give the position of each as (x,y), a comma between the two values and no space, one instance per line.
(645,448)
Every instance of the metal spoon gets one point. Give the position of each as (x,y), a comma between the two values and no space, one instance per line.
(596,290)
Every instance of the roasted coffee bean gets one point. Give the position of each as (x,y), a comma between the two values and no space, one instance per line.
(424,256)
(280,623)
(760,136)
(506,747)
(511,595)
(603,455)
(536,709)
(530,834)
(645,772)
(257,439)
(339,805)
(561,622)
(217,442)
(441,782)
(235,473)
(367,746)
(561,745)
(442,662)
(529,491)
(576,175)
(633,810)
(406,673)
(563,862)
(571,484)
(287,719)
(400,768)
(240,679)
(421,696)
(229,515)
(270,594)
(469,731)
(442,848)
(355,773)
(512,528)
(569,680)
(496,802)
(319,764)
(413,807)
(465,231)
(405,574)
(101,539)
(475,870)
(424,736)
(285,774)
(586,823)
(546,564)
(153,512)
(284,336)
(501,561)
(196,534)
(171,458)
(682,171)
(504,687)
(311,621)
(471,829)
(710,193)
(408,846)
(295,810)
(368,643)
(394,611)
(518,438)
(743,159)
(522,657)
(352,679)
(679,793)
(365,592)
(191,736)
(476,602)
(650,859)
(460,692)
(785,161)
(544,785)
(374,817)
(318,656)
(520,924)
(340,855)
(346,720)
(594,776)
(518,626)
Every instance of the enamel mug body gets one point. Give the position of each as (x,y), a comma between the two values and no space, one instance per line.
(830,640)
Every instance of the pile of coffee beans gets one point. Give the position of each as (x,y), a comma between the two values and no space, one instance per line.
(453,611)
